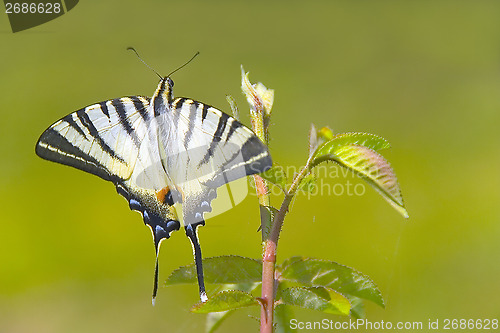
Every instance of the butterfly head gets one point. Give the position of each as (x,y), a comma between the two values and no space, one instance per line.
(163,95)
(169,82)
(168,85)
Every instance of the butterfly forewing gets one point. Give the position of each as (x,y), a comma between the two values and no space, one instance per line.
(102,139)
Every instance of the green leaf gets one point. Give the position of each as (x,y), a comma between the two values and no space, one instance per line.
(367,140)
(357,308)
(307,184)
(289,261)
(215,319)
(329,274)
(224,269)
(276,175)
(224,301)
(282,316)
(371,167)
(317,298)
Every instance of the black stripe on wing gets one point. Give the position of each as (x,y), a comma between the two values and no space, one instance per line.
(177,107)
(204,112)
(193,110)
(221,126)
(141,105)
(54,147)
(232,128)
(69,119)
(84,118)
(104,108)
(122,115)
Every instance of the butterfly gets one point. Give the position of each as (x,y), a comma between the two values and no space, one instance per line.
(159,152)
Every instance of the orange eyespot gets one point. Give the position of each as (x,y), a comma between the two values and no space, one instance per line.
(164,196)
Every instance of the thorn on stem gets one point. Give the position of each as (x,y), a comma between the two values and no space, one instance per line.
(263,302)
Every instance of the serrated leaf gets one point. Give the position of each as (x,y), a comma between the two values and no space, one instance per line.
(276,175)
(282,315)
(307,184)
(357,308)
(215,319)
(371,167)
(367,140)
(317,298)
(224,269)
(289,261)
(329,274)
(224,301)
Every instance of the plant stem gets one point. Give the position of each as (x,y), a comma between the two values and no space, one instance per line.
(264,202)
(268,283)
(271,227)
(261,186)
(269,256)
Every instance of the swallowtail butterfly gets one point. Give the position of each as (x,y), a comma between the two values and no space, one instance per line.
(157,152)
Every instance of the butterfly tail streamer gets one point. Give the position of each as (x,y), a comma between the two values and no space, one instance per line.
(161,230)
(155,285)
(192,233)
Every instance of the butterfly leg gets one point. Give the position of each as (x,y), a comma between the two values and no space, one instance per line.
(192,233)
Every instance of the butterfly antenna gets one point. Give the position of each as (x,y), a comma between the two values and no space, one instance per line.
(192,58)
(138,56)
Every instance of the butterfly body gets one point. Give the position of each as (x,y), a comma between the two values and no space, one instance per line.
(157,152)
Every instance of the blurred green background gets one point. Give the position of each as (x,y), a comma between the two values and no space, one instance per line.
(425,75)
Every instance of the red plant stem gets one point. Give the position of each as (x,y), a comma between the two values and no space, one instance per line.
(268,286)
(271,227)
(268,269)
(269,257)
